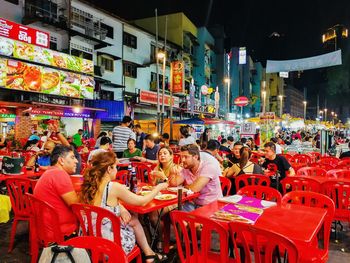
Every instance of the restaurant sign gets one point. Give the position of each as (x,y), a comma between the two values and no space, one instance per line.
(61,113)
(19,75)
(23,33)
(151,97)
(177,77)
(17,49)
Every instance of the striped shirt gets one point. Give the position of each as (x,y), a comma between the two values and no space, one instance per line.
(121,135)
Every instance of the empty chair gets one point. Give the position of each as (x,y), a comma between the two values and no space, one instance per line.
(99,248)
(225,185)
(312,199)
(311,171)
(296,183)
(142,171)
(344,162)
(301,159)
(44,226)
(177,158)
(314,155)
(122,176)
(261,192)
(194,247)
(91,218)
(287,156)
(17,188)
(251,179)
(338,173)
(327,167)
(249,239)
(329,160)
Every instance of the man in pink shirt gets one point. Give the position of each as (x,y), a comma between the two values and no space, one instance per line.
(56,188)
(198,176)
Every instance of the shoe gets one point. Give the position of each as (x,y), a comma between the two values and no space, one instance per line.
(156,258)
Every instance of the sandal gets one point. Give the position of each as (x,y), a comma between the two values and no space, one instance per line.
(157,258)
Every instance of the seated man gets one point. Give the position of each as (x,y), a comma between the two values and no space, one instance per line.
(56,188)
(151,150)
(198,176)
(42,157)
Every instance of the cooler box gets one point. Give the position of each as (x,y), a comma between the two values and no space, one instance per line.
(12,165)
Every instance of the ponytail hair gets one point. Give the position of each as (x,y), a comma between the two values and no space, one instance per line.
(94,174)
(245,154)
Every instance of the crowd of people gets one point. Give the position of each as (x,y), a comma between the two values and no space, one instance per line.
(203,162)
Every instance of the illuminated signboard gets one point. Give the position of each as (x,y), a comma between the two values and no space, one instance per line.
(23,33)
(19,75)
(177,77)
(242,56)
(44,56)
(151,97)
(284,74)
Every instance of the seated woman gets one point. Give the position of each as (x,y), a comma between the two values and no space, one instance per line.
(132,151)
(243,167)
(186,137)
(164,171)
(98,190)
(32,145)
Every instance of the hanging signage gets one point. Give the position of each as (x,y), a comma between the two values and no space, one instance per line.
(23,33)
(151,97)
(204,90)
(177,77)
(242,56)
(266,115)
(19,75)
(284,74)
(45,56)
(59,113)
(241,101)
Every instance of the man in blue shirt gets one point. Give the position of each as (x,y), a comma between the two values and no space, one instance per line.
(42,157)
(151,150)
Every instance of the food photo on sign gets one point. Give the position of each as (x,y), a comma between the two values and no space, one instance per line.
(70,84)
(50,81)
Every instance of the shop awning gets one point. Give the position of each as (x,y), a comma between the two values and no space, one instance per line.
(204,121)
(196,121)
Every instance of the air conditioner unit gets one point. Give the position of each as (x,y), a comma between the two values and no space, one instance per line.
(99,70)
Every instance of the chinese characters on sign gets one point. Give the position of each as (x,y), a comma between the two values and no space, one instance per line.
(177,77)
(151,97)
(25,34)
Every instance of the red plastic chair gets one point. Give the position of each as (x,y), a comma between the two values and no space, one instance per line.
(44,226)
(312,199)
(249,237)
(90,218)
(314,155)
(141,170)
(296,183)
(332,161)
(17,188)
(338,173)
(327,167)
(251,179)
(225,185)
(301,159)
(339,192)
(311,171)
(261,192)
(287,156)
(99,248)
(344,162)
(122,176)
(187,240)
(177,158)
(342,167)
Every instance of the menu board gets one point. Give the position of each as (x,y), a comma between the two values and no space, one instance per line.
(28,77)
(21,50)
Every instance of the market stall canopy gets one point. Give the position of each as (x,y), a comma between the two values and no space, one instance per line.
(196,121)
(208,121)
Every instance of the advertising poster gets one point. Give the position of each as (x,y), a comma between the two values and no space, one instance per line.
(177,77)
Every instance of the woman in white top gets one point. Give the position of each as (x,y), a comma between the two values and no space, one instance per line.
(186,137)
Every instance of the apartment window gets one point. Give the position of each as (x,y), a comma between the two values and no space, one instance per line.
(153,53)
(110,30)
(15,2)
(154,81)
(107,63)
(129,40)
(81,54)
(106,95)
(130,70)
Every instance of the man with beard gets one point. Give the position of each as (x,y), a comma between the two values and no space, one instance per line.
(198,176)
(42,157)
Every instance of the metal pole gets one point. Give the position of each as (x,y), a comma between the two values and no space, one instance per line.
(228,95)
(163,84)
(157,73)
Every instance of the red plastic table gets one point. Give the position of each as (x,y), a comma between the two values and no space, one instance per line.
(299,223)
(157,205)
(30,174)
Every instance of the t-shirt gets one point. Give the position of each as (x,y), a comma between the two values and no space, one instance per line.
(50,187)
(186,141)
(210,192)
(151,154)
(121,135)
(139,140)
(94,152)
(77,140)
(127,154)
(209,158)
(44,160)
(282,166)
(344,154)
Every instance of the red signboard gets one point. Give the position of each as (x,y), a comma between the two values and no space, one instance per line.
(151,97)
(241,101)
(25,34)
(47,112)
(177,77)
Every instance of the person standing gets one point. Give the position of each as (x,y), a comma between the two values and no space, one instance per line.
(78,138)
(121,135)
(151,150)
(140,136)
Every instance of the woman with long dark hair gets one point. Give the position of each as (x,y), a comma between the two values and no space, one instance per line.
(98,190)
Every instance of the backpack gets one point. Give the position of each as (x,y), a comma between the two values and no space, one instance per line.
(64,254)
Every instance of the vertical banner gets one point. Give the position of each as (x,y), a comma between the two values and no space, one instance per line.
(177,77)
(192,89)
(217,100)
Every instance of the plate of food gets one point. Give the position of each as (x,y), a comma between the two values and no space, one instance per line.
(175,189)
(145,192)
(164,197)
(147,187)
(223,215)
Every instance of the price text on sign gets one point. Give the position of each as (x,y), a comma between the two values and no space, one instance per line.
(25,34)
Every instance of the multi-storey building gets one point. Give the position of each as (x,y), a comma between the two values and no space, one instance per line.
(294,101)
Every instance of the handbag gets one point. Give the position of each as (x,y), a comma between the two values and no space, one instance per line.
(64,254)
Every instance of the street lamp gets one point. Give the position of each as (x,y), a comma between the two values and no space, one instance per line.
(325,114)
(228,80)
(162,55)
(281,104)
(305,103)
(264,100)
